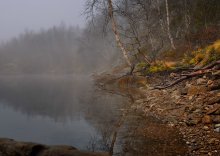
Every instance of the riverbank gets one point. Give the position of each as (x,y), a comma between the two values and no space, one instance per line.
(192,106)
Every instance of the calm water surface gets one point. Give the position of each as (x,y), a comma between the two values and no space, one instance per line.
(55,109)
(70,110)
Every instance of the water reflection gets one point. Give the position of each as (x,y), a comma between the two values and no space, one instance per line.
(57,98)
(146,136)
(54,110)
(69,110)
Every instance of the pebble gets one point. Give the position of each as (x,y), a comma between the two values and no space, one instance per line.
(217,130)
(213,141)
(190,97)
(183,91)
(217,125)
(216,119)
(206,128)
(192,122)
(187,142)
(210,82)
(201,81)
(206,119)
(193,141)
(197,111)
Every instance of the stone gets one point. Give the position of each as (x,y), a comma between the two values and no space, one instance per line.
(192,122)
(213,141)
(217,130)
(216,118)
(175,94)
(214,110)
(216,73)
(206,128)
(206,108)
(210,82)
(174,75)
(201,81)
(196,90)
(217,112)
(188,84)
(197,111)
(188,143)
(206,119)
(217,125)
(191,97)
(183,91)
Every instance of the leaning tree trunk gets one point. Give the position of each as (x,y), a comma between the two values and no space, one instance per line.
(115,31)
(168,25)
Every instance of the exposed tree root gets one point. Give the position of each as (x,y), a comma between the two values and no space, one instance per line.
(212,67)
(172,84)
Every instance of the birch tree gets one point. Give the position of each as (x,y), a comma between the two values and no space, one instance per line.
(115,31)
(168,25)
(108,7)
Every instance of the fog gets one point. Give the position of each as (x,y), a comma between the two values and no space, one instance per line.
(17,16)
(51,37)
(47,51)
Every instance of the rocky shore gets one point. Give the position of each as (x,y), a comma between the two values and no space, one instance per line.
(192,106)
(9,147)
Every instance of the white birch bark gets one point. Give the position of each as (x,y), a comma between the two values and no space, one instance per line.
(115,31)
(168,25)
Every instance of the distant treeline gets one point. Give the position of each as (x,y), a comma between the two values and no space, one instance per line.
(58,50)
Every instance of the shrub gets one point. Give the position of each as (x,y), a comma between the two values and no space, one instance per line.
(158,67)
(203,56)
(142,65)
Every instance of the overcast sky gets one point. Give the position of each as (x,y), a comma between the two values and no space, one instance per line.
(19,15)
